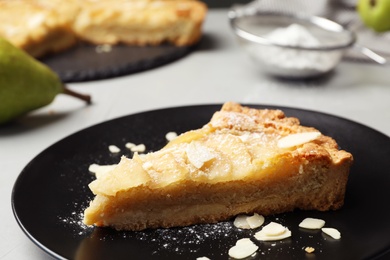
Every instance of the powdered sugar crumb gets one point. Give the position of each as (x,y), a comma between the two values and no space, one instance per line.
(75,221)
(187,239)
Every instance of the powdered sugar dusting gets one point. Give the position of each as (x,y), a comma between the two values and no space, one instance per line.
(224,119)
(75,222)
(189,239)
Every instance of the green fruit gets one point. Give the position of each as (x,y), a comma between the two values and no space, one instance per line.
(375,14)
(25,83)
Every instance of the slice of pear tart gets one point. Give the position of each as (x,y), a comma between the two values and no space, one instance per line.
(244,160)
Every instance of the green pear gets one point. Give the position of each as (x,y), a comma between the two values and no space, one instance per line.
(375,14)
(25,83)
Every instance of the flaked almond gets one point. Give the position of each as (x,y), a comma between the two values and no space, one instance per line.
(262,237)
(198,154)
(100,170)
(243,248)
(297,139)
(272,232)
(332,232)
(114,149)
(170,136)
(248,222)
(140,148)
(273,229)
(255,221)
(240,222)
(130,145)
(312,223)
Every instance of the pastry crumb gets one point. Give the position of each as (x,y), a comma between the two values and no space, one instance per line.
(130,145)
(309,249)
(103,48)
(114,149)
(170,136)
(138,148)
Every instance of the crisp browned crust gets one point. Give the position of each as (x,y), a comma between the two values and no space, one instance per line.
(164,189)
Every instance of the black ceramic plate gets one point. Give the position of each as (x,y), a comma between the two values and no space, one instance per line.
(83,62)
(51,193)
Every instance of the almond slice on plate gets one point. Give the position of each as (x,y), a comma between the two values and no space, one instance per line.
(332,232)
(240,222)
(243,248)
(255,221)
(248,222)
(272,232)
(273,229)
(312,223)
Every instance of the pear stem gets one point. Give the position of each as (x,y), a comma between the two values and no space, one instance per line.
(86,98)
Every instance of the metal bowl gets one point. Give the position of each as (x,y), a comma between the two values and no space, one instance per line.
(284,59)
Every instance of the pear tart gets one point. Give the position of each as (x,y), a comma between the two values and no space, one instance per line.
(141,22)
(49,26)
(36,28)
(243,161)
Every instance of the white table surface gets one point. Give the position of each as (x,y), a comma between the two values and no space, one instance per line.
(216,72)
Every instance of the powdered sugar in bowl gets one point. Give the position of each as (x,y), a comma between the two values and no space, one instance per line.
(291,46)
